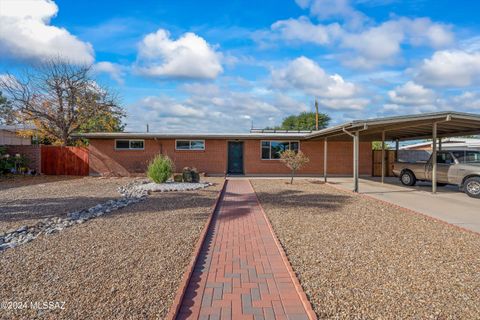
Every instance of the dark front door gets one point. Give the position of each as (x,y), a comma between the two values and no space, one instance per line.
(235,157)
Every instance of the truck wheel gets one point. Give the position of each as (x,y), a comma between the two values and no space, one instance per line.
(472,187)
(407,178)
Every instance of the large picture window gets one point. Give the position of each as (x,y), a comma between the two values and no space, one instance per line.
(271,150)
(129,144)
(190,144)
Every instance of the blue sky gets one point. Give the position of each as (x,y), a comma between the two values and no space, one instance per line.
(218,66)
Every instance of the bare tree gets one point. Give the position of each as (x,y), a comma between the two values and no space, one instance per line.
(294,161)
(7,115)
(58,97)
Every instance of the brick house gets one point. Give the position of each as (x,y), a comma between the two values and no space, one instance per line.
(255,153)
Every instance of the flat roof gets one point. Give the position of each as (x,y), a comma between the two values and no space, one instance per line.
(152,135)
(409,127)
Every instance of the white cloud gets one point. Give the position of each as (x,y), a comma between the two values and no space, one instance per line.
(412,94)
(207,107)
(289,105)
(470,45)
(450,68)
(345,104)
(414,98)
(382,44)
(375,45)
(190,56)
(26,33)
(467,101)
(328,9)
(305,75)
(308,77)
(114,70)
(367,45)
(169,107)
(303,30)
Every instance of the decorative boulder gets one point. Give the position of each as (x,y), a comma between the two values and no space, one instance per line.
(195,175)
(187,174)
(178,178)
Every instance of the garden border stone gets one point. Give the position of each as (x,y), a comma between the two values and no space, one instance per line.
(133,192)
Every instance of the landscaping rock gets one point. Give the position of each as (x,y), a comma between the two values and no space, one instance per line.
(133,192)
(187,174)
(195,175)
(171,186)
(178,178)
(360,258)
(142,253)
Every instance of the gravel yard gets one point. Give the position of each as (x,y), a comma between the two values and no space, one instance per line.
(125,265)
(359,258)
(25,200)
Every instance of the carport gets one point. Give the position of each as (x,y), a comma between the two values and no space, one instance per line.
(433,126)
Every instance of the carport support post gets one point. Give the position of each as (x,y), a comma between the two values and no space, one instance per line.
(325,157)
(434,158)
(356,143)
(383,156)
(397,147)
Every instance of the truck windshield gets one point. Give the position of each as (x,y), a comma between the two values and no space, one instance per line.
(467,156)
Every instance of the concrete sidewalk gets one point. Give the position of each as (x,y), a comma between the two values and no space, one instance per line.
(448,204)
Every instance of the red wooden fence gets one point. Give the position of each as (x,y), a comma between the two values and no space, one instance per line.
(65,161)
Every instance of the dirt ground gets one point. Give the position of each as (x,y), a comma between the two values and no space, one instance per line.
(25,200)
(360,258)
(125,265)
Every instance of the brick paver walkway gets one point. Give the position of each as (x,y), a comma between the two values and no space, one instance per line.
(240,273)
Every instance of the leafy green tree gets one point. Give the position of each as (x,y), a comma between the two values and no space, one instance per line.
(377,145)
(103,122)
(304,121)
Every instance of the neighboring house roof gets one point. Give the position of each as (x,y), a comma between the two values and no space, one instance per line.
(461,143)
(17,127)
(399,127)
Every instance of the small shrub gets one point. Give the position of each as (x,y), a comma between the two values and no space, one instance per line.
(160,169)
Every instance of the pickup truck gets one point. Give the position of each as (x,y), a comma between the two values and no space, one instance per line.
(456,167)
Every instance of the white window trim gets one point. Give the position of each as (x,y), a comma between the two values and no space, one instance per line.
(270,141)
(190,144)
(129,148)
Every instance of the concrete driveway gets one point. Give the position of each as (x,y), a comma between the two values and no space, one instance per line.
(448,204)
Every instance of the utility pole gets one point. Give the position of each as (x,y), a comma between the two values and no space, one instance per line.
(316,114)
(148,130)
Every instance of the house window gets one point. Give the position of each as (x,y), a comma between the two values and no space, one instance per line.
(271,150)
(190,144)
(129,144)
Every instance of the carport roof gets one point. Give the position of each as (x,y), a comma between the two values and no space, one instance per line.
(408,127)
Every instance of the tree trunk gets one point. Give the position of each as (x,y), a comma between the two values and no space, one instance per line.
(64,138)
(291,179)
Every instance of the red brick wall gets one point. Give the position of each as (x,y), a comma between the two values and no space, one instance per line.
(340,158)
(105,160)
(32,152)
